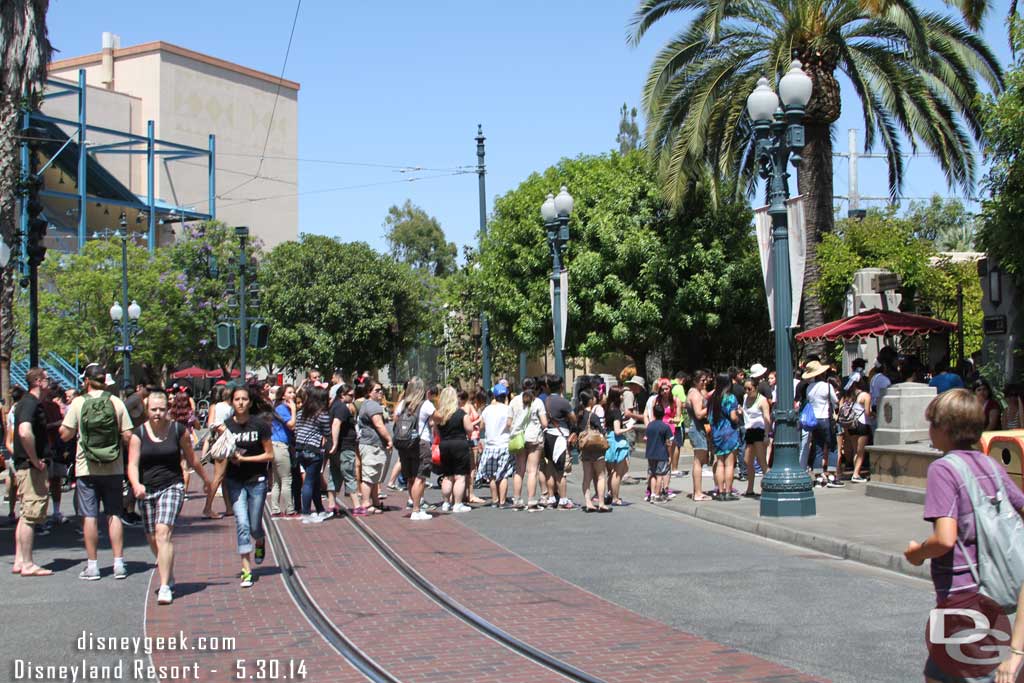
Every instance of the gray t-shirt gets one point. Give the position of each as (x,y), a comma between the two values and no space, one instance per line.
(367,432)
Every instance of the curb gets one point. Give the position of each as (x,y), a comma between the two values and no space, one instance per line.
(856,552)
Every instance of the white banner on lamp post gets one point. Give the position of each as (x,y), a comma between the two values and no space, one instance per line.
(797,255)
(564,300)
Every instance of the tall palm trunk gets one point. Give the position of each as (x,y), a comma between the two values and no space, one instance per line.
(814,182)
(10,171)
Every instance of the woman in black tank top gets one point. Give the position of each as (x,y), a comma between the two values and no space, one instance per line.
(155,454)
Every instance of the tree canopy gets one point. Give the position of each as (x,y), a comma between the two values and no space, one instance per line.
(335,304)
(416,238)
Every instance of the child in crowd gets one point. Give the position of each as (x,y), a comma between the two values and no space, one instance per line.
(659,435)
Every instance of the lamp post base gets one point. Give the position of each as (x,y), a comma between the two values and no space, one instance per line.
(787,493)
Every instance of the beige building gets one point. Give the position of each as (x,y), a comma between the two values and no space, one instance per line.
(189,96)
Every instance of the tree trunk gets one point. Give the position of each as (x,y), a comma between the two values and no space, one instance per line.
(814,181)
(10,172)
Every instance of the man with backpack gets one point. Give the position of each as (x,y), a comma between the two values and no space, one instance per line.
(103,425)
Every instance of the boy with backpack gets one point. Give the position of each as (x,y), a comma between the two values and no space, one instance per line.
(102,425)
(977,546)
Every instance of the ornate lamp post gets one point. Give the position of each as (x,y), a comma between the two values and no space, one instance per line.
(555,211)
(787,489)
(128,324)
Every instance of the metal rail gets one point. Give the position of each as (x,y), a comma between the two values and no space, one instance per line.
(320,621)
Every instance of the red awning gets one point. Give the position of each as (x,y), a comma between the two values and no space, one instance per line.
(876,323)
(219,374)
(192,372)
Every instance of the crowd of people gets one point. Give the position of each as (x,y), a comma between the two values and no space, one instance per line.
(318,447)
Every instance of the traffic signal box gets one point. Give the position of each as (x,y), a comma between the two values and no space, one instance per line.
(1007,448)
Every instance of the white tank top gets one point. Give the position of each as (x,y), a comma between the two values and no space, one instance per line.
(753,418)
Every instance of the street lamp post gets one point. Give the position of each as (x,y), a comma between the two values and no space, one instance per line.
(779,134)
(485,343)
(555,211)
(125,315)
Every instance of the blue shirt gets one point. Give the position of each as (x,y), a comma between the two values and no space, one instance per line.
(658,434)
(944,381)
(279,430)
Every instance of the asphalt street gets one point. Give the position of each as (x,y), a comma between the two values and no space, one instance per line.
(815,613)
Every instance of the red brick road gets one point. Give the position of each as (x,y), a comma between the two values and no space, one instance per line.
(408,634)
(569,623)
(208,602)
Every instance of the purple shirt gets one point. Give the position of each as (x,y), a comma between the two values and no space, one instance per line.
(946,496)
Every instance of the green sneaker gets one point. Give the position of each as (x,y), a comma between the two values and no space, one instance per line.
(246,579)
(260,552)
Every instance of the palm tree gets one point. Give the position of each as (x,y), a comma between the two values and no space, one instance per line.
(916,75)
(24,56)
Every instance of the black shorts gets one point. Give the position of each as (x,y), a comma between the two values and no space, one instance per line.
(858,429)
(90,490)
(754,435)
(657,468)
(415,461)
(549,453)
(456,458)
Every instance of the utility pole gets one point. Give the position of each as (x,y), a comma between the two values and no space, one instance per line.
(853,194)
(484,328)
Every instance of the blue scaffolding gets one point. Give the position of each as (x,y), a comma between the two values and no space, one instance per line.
(89,170)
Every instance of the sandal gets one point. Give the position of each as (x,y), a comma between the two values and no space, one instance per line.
(213,515)
(38,571)
(702,498)
(589,509)
(359,512)
(604,508)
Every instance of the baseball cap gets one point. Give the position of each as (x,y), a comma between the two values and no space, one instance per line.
(96,372)
(499,390)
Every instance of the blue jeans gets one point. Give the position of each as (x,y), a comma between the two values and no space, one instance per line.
(247,503)
(312,483)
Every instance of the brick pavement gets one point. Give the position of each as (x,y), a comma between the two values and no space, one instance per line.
(209,602)
(569,623)
(386,617)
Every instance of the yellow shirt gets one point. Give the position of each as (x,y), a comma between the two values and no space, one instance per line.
(83,466)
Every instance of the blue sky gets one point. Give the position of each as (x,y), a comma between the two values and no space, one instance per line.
(406,82)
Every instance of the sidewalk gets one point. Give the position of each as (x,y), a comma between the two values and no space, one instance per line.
(848,524)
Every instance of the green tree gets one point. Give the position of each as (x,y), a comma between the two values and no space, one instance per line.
(945,222)
(640,274)
(74,319)
(929,283)
(628,138)
(26,50)
(1002,214)
(335,304)
(915,73)
(416,238)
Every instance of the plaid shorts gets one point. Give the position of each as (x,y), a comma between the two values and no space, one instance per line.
(496,464)
(162,507)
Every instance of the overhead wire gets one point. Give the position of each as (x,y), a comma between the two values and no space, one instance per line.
(277,96)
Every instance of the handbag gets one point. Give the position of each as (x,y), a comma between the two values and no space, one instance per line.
(593,439)
(223,447)
(807,419)
(435,451)
(518,440)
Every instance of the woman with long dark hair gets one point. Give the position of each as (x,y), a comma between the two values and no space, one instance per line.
(757,422)
(312,432)
(725,436)
(246,478)
(219,414)
(591,459)
(527,417)
(616,458)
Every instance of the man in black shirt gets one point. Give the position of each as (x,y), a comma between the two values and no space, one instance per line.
(31,470)
(557,440)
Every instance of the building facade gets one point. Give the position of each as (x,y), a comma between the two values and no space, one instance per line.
(189,96)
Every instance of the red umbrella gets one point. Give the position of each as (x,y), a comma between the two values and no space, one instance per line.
(192,372)
(218,373)
(876,323)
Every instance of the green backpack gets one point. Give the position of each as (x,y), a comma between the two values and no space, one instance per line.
(99,434)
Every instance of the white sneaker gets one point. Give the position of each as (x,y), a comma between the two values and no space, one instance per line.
(164,596)
(460,507)
(326,514)
(446,506)
(312,518)
(420,516)
(552,502)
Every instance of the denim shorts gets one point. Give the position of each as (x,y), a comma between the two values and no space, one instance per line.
(698,437)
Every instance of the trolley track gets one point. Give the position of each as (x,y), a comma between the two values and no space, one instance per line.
(366,664)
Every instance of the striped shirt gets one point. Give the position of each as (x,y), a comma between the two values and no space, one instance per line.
(312,434)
